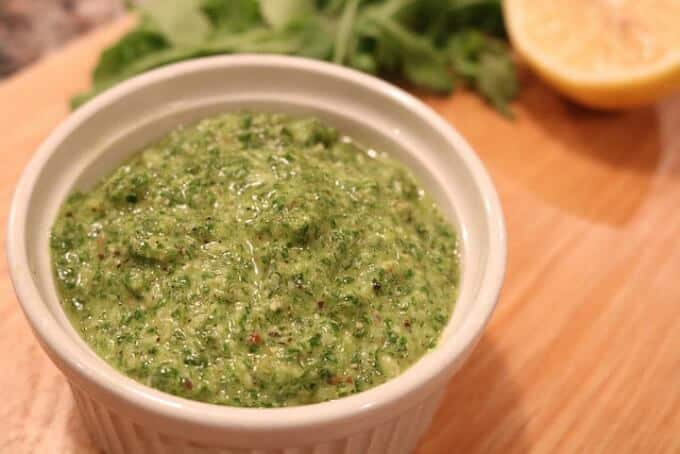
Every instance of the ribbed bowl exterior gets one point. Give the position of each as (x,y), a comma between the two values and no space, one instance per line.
(123,416)
(116,434)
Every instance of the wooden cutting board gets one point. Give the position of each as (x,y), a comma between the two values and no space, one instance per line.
(583,352)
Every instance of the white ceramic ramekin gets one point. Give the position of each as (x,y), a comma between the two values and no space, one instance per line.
(126,417)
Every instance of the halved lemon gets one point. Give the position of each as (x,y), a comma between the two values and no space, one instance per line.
(607,54)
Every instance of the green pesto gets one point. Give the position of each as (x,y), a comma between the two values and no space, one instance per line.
(257,260)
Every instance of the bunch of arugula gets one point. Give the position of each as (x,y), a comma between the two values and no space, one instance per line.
(433,44)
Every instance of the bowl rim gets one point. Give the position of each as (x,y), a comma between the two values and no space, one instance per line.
(424,371)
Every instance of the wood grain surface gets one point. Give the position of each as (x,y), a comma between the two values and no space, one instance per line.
(583,352)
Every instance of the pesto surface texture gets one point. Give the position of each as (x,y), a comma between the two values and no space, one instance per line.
(256,260)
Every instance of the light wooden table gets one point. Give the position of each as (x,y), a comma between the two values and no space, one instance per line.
(583,353)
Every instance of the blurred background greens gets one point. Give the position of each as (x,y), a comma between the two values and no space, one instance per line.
(433,45)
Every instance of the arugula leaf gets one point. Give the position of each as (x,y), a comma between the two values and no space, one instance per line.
(497,80)
(390,8)
(180,21)
(314,35)
(150,61)
(439,19)
(373,49)
(279,13)
(330,7)
(484,63)
(344,31)
(133,46)
(363,61)
(482,15)
(232,15)
(421,63)
(464,49)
